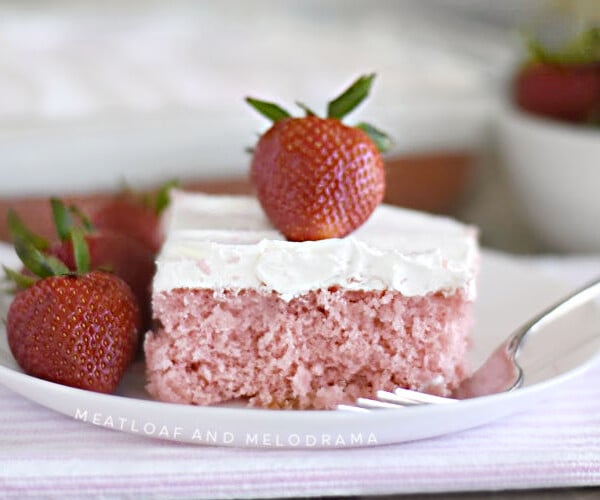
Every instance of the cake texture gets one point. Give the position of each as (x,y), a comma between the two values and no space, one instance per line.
(241,313)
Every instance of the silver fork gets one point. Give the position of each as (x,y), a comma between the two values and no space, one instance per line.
(501,372)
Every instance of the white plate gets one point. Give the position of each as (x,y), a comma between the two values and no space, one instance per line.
(509,294)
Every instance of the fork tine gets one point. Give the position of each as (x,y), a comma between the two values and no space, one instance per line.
(401,400)
(375,404)
(420,397)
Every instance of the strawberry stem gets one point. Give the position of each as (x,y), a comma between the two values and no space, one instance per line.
(306,109)
(163,196)
(583,49)
(39,264)
(31,248)
(22,281)
(81,252)
(83,218)
(380,138)
(62,218)
(351,97)
(17,229)
(337,109)
(269,110)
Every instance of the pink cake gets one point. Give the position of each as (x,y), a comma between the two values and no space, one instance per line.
(242,313)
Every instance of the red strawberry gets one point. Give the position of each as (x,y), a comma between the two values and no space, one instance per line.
(315,177)
(563,83)
(78,329)
(570,93)
(137,216)
(125,216)
(124,256)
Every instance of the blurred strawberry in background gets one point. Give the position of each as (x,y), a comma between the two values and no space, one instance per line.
(563,84)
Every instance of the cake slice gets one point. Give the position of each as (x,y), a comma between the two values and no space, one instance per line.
(242,313)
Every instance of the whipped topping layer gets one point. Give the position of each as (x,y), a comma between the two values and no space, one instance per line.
(227,243)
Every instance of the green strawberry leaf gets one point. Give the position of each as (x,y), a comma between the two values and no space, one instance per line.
(85,221)
(62,218)
(163,196)
(537,52)
(81,252)
(18,229)
(306,109)
(269,110)
(380,138)
(19,279)
(583,49)
(56,266)
(107,268)
(39,264)
(350,98)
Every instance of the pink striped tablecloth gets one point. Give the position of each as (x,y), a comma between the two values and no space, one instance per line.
(556,444)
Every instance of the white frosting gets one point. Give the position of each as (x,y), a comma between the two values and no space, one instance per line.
(226,242)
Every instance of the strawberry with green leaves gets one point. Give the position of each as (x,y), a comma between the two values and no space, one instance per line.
(111,250)
(135,215)
(77,328)
(563,84)
(316,177)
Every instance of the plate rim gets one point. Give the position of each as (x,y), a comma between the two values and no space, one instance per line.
(17,381)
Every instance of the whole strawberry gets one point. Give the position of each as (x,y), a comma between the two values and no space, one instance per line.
(125,257)
(135,215)
(315,177)
(74,328)
(118,252)
(564,83)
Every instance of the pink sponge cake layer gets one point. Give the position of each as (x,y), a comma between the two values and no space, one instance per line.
(315,351)
(241,313)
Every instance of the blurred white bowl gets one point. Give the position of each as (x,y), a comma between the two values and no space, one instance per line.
(555,174)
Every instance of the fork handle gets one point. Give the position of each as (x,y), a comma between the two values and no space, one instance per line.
(572,301)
